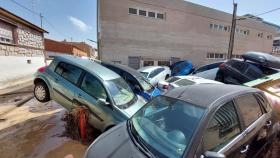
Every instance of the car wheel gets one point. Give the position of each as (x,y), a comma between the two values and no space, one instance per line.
(41,92)
(166,77)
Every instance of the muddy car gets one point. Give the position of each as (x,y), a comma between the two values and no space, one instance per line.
(255,65)
(73,82)
(235,121)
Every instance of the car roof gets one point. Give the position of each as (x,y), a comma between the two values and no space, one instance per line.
(149,68)
(90,66)
(197,79)
(125,68)
(206,94)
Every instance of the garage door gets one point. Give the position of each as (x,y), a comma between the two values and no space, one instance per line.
(134,62)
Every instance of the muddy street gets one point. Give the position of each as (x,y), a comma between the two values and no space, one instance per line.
(35,130)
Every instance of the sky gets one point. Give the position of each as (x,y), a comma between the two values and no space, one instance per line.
(76,19)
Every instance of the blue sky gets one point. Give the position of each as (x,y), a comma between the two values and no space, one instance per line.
(76,19)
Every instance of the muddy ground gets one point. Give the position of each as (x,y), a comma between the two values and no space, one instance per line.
(35,130)
(39,130)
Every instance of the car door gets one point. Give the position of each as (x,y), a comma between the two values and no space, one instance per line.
(92,94)
(65,81)
(223,132)
(256,123)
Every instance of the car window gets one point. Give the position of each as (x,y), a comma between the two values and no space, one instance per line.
(249,108)
(264,103)
(93,87)
(69,72)
(129,79)
(184,82)
(240,66)
(203,68)
(222,128)
(172,79)
(155,72)
(253,73)
(116,70)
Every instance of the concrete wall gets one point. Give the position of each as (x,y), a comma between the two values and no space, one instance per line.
(184,33)
(19,72)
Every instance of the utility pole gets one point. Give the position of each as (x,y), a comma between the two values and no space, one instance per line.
(41,20)
(98,29)
(232,32)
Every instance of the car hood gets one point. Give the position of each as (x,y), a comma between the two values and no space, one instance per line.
(115,143)
(135,107)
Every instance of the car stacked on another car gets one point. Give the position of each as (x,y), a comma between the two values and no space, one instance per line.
(255,65)
(179,81)
(73,81)
(135,80)
(204,120)
(208,71)
(181,68)
(155,74)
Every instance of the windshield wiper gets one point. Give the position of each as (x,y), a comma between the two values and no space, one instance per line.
(139,141)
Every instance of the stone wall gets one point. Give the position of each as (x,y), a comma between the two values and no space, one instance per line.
(27,42)
(28,37)
(7,50)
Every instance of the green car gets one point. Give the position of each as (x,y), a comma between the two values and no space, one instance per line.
(74,81)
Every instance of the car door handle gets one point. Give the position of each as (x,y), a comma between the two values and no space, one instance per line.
(268,123)
(246,148)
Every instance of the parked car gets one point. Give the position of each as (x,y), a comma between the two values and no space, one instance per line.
(73,81)
(179,81)
(181,68)
(253,67)
(208,71)
(155,74)
(135,80)
(235,121)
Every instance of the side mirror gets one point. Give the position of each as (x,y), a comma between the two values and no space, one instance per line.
(137,88)
(103,102)
(212,154)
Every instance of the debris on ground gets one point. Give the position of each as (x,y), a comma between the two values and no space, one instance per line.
(72,127)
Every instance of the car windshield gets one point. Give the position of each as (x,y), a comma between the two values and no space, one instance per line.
(144,83)
(184,82)
(167,125)
(145,74)
(172,79)
(120,92)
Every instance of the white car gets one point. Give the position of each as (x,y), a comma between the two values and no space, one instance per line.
(155,74)
(178,81)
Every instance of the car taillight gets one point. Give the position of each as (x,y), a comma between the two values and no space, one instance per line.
(165,86)
(42,69)
(222,66)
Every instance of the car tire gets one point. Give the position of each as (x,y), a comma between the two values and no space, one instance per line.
(41,92)
(166,77)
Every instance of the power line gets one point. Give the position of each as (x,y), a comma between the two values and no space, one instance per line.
(31,11)
(41,17)
(268,12)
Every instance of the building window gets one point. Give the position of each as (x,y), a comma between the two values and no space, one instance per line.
(152,14)
(216,26)
(142,12)
(6,35)
(260,35)
(160,16)
(148,63)
(225,28)
(211,26)
(132,11)
(163,63)
(215,56)
(269,37)
(221,27)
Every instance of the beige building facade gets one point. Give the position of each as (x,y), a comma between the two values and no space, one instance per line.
(158,32)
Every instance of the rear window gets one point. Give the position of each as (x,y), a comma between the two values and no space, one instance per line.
(69,72)
(172,79)
(184,82)
(240,66)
